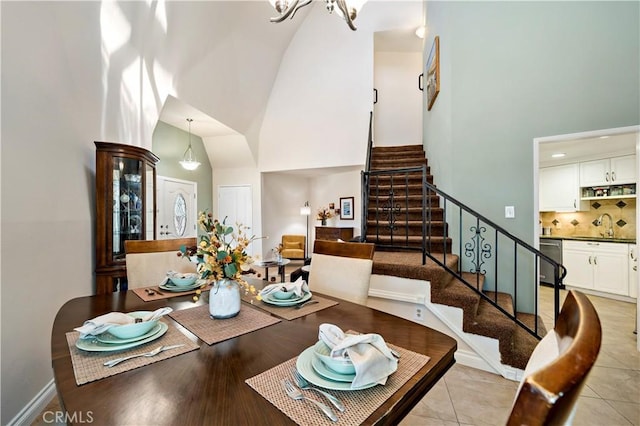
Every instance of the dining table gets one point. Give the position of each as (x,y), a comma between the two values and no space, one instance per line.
(228,382)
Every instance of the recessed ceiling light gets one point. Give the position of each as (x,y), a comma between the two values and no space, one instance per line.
(558,155)
(604,137)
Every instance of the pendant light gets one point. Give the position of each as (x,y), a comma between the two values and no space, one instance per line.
(189,161)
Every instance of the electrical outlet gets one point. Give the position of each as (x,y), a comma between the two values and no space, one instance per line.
(418,314)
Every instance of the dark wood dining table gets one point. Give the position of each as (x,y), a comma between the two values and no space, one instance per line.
(207,386)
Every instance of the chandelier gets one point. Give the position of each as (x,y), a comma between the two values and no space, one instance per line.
(189,161)
(347,9)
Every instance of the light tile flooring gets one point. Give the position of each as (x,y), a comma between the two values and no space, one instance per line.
(466,396)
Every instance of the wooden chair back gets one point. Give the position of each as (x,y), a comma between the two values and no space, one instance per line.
(342,269)
(149,260)
(559,365)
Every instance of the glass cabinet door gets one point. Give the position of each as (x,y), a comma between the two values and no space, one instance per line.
(128,201)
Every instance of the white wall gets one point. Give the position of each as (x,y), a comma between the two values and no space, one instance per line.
(318,112)
(329,189)
(283,195)
(398,113)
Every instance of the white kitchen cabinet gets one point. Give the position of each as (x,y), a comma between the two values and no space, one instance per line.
(633,270)
(560,189)
(597,266)
(608,171)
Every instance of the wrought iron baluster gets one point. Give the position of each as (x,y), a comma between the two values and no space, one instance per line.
(478,249)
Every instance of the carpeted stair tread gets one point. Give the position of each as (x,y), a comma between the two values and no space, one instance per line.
(398,189)
(490,322)
(435,244)
(397,149)
(457,294)
(409,265)
(523,345)
(413,176)
(413,213)
(504,300)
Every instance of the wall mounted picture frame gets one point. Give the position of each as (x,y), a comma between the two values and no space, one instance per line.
(433,73)
(346,208)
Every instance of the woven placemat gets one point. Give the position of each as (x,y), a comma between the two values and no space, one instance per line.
(197,321)
(151,293)
(290,312)
(358,404)
(87,366)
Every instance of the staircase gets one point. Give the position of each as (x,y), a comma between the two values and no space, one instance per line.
(394,214)
(399,213)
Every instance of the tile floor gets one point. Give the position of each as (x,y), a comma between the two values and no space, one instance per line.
(466,396)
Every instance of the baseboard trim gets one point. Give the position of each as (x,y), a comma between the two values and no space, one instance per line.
(30,412)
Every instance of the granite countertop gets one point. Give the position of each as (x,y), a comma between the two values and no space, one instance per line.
(598,239)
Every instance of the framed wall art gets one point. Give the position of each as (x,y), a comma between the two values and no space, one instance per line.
(346,208)
(433,73)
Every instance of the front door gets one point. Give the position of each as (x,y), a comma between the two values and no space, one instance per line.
(177,215)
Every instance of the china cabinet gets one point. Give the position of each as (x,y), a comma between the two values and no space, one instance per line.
(125,208)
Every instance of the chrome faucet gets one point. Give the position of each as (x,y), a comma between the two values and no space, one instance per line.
(609,232)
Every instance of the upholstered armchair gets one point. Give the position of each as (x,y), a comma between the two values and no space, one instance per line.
(293,246)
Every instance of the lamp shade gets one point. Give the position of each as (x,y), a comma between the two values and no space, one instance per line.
(189,161)
(305,210)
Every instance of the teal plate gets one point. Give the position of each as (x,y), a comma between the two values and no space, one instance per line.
(93,345)
(178,288)
(106,337)
(290,302)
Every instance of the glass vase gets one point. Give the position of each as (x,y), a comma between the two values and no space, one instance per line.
(224,299)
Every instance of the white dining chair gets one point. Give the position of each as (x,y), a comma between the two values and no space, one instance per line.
(149,260)
(341,269)
(559,365)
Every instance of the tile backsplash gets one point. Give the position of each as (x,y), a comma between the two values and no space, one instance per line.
(581,224)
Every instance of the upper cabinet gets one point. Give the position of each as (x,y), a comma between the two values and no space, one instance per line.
(560,189)
(608,171)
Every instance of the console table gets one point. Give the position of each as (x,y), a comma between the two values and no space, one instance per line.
(333,233)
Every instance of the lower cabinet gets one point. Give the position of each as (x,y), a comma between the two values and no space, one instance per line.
(597,266)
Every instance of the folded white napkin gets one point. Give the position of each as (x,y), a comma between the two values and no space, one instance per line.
(99,325)
(299,287)
(369,353)
(167,276)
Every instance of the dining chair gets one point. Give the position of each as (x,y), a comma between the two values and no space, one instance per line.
(559,365)
(341,269)
(149,260)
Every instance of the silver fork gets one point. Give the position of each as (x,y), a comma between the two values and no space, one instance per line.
(154,352)
(304,384)
(294,393)
(308,302)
